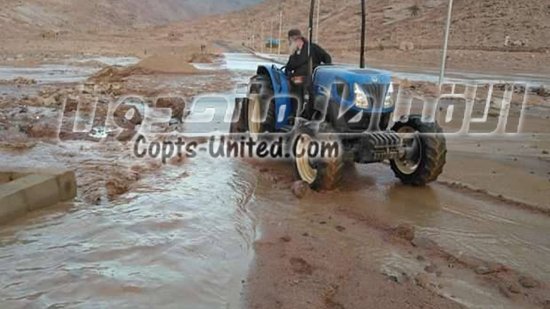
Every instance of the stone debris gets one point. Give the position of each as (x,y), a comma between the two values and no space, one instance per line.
(301,189)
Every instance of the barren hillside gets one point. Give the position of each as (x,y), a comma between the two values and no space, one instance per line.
(36,17)
(476,24)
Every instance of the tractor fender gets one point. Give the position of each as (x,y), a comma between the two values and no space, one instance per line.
(328,110)
(281,93)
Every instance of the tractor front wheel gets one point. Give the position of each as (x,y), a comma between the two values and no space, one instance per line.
(318,156)
(425,154)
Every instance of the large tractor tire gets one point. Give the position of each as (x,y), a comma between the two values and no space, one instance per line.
(427,152)
(261,105)
(321,173)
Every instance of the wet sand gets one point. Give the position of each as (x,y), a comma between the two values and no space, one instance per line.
(354,247)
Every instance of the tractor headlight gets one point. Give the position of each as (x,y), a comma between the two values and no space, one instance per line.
(389,102)
(361,98)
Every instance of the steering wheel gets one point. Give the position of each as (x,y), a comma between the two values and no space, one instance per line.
(283,69)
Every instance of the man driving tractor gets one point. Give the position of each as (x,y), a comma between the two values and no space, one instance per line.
(298,64)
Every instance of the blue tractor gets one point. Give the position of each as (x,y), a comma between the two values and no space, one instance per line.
(350,107)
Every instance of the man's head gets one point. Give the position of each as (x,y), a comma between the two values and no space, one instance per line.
(294,34)
(295,39)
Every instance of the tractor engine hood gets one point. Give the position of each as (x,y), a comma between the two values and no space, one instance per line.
(327,75)
(360,89)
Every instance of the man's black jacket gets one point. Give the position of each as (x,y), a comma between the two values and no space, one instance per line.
(298,63)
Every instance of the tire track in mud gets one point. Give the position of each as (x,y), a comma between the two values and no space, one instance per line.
(412,231)
(498,198)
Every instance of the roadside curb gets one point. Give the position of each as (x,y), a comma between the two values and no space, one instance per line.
(26,190)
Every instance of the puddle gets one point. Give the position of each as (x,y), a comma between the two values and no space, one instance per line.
(121,61)
(183,236)
(62,73)
(175,239)
(48,73)
(235,62)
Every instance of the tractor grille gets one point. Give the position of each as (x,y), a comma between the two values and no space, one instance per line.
(377,94)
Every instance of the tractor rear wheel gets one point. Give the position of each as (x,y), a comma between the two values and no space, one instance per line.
(239,123)
(315,161)
(261,105)
(426,152)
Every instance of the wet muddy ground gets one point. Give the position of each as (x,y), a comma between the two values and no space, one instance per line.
(228,233)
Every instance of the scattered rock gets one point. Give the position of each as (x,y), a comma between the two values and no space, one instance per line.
(300,266)
(528,282)
(19,81)
(422,281)
(514,288)
(423,242)
(543,91)
(406,46)
(116,74)
(301,189)
(340,228)
(518,43)
(177,105)
(430,269)
(420,258)
(484,270)
(49,101)
(42,129)
(398,277)
(505,291)
(286,239)
(405,231)
(545,152)
(203,58)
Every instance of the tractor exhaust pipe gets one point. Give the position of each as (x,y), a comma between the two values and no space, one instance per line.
(363,33)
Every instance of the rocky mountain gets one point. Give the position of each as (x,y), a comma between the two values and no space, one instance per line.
(484,25)
(22,17)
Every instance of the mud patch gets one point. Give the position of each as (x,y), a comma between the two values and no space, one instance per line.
(300,266)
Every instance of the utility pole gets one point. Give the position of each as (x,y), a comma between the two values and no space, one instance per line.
(445,44)
(271,38)
(363,33)
(280,32)
(262,38)
(317,23)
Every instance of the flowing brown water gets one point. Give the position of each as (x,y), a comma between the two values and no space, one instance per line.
(181,237)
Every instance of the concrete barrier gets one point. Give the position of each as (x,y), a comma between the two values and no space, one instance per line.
(25,190)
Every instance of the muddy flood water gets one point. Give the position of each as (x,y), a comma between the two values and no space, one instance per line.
(183,237)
